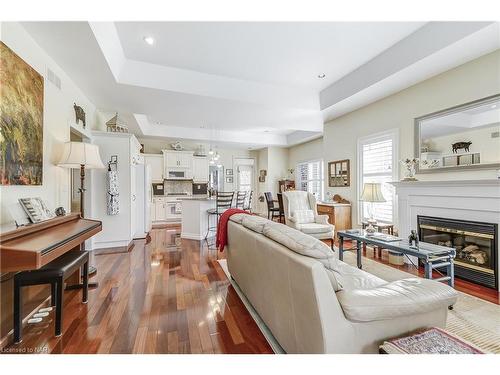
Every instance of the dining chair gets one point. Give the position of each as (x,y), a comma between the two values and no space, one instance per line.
(272,210)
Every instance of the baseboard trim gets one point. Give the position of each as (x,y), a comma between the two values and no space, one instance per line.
(114,249)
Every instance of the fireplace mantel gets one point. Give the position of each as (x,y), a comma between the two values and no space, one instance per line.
(416,184)
(468,200)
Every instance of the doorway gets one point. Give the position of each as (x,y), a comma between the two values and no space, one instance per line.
(75,178)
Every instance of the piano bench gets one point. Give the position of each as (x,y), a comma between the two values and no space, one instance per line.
(53,273)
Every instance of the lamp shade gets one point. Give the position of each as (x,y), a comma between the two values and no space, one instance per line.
(372,192)
(76,154)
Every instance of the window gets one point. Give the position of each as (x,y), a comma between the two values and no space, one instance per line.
(377,162)
(310,177)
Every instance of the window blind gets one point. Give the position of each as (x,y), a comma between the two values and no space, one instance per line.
(377,166)
(310,177)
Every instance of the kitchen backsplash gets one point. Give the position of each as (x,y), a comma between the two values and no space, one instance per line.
(178,187)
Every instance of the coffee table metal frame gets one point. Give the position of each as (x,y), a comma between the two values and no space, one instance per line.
(433,256)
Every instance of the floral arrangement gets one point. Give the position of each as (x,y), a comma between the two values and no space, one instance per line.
(410,165)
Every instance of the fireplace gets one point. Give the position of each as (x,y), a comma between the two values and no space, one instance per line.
(475,242)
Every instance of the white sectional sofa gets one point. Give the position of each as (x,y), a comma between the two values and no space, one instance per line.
(314,303)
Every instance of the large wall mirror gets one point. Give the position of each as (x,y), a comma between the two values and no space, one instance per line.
(462,137)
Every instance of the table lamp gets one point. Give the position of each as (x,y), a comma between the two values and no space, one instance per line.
(372,193)
(79,155)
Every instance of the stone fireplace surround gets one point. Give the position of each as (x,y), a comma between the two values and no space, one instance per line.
(470,200)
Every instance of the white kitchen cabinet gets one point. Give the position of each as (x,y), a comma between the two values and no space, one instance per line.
(156,162)
(160,209)
(152,211)
(178,159)
(200,169)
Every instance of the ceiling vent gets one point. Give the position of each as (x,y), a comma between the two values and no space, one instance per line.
(54,78)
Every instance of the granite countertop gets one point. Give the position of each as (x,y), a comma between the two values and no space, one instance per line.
(195,198)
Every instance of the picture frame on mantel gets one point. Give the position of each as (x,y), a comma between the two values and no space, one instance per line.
(339,173)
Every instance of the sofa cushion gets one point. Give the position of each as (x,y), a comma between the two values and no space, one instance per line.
(313,228)
(297,241)
(237,218)
(306,245)
(255,223)
(395,299)
(354,278)
(303,216)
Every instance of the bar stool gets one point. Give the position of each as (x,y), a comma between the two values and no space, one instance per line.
(224,201)
(240,199)
(248,203)
(53,273)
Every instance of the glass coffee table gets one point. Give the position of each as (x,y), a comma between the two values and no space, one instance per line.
(433,257)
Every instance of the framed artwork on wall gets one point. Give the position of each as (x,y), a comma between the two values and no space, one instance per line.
(21,109)
(229,179)
(229,172)
(339,173)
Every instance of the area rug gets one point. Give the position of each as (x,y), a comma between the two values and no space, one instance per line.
(472,319)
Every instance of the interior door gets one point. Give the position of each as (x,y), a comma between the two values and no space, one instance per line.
(245,177)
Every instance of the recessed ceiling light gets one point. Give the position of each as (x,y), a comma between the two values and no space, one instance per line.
(149,40)
(322,75)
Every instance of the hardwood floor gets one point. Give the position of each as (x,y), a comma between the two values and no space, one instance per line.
(167,296)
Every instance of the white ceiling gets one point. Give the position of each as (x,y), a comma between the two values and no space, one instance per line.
(255,83)
(290,54)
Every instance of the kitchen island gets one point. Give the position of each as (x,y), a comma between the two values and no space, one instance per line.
(195,217)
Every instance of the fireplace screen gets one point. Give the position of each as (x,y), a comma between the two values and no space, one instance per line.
(475,244)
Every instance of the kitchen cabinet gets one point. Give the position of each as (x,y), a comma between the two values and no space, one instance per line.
(166,209)
(160,209)
(200,169)
(178,159)
(156,163)
(152,211)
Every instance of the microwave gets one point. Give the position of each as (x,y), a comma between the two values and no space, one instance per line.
(178,174)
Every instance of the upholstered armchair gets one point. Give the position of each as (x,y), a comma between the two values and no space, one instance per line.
(301,213)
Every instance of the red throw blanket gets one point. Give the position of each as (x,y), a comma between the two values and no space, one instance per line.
(222,226)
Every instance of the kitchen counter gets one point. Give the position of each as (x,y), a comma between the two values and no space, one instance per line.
(195,217)
(195,198)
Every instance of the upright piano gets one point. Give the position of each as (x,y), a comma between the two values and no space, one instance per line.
(31,247)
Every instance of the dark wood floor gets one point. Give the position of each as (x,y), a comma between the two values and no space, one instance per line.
(168,296)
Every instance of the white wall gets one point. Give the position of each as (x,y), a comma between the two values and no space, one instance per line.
(275,161)
(312,150)
(277,165)
(477,79)
(57,115)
